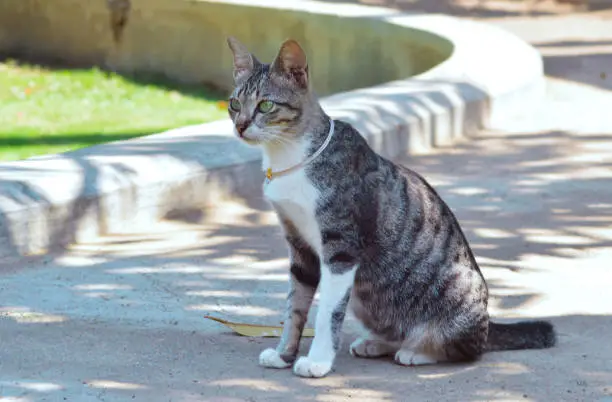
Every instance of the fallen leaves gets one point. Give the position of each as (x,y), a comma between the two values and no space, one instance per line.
(256,330)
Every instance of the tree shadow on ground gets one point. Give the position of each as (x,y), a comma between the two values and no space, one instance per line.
(147,305)
(538,198)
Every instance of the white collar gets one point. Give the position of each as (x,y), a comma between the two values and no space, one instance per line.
(271,174)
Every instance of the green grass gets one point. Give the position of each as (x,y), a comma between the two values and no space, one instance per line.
(44,110)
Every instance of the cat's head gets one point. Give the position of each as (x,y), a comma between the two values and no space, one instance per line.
(270,102)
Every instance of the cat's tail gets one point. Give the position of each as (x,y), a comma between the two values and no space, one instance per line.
(521,335)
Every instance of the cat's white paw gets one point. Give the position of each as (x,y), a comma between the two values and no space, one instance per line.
(365,347)
(304,367)
(272,359)
(406,357)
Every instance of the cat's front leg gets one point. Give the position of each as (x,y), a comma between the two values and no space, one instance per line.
(305,276)
(334,294)
(299,300)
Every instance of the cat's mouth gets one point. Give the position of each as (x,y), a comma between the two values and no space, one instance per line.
(244,137)
(249,135)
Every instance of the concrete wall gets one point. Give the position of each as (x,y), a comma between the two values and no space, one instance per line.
(186,40)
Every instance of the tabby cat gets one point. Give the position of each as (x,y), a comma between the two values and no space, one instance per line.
(367,232)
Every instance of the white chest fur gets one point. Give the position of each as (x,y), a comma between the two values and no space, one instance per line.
(296,198)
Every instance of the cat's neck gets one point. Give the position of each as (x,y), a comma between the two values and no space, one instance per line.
(284,156)
(281,156)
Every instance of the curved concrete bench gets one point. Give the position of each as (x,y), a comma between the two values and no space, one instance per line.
(51,201)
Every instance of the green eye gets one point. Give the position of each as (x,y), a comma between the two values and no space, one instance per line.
(265,106)
(234,104)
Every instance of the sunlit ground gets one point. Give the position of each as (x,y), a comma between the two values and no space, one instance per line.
(48,110)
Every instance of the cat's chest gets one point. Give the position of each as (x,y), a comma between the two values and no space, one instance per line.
(296,198)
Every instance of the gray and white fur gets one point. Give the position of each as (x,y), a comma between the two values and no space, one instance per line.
(368,233)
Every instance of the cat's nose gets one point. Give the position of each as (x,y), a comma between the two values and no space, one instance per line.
(242,126)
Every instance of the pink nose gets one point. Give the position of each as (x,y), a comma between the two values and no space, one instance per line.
(241,127)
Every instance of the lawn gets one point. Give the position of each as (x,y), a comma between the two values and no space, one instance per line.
(51,110)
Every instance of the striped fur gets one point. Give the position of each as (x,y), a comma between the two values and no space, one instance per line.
(373,233)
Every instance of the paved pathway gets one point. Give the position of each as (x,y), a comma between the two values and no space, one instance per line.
(121,319)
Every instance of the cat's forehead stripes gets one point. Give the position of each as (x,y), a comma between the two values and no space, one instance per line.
(255,82)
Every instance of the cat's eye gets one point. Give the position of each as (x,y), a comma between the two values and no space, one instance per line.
(234,104)
(265,106)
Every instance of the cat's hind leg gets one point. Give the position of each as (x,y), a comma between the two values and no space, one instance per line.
(430,345)
(372,346)
(409,357)
(422,346)
(462,350)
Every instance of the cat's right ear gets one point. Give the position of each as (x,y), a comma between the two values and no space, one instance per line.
(291,63)
(244,61)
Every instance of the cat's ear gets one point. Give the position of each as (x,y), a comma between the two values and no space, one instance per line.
(244,61)
(291,63)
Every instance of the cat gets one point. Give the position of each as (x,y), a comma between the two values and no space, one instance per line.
(372,235)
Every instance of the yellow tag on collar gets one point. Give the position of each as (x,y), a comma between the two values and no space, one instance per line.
(269,173)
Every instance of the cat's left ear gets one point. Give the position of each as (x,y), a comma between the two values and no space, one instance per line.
(291,63)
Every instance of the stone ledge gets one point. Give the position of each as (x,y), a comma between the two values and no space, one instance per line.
(51,201)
